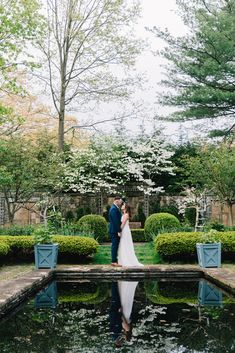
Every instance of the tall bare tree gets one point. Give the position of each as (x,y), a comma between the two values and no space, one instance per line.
(85,39)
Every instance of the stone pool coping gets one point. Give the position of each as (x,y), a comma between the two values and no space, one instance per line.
(15,291)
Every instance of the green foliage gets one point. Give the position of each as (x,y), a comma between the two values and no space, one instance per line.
(82,211)
(202,71)
(214,224)
(69,216)
(140,217)
(55,220)
(17,230)
(190,216)
(210,237)
(22,246)
(138,235)
(214,169)
(81,246)
(106,213)
(158,222)
(85,295)
(42,235)
(4,248)
(97,224)
(183,245)
(165,293)
(26,167)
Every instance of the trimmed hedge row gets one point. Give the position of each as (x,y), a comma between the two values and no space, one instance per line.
(4,248)
(183,244)
(22,246)
(138,234)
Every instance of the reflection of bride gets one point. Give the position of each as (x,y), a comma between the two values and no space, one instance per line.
(126,252)
(127,293)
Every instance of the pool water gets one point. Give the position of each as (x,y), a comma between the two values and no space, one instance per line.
(123,316)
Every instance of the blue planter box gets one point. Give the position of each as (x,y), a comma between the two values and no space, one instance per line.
(47,297)
(46,255)
(209,255)
(208,294)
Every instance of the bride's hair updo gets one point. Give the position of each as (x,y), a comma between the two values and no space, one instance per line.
(128,209)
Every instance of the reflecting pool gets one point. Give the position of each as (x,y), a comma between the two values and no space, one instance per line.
(123,316)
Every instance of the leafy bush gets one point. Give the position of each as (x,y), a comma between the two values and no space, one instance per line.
(140,217)
(172,209)
(22,246)
(215,224)
(97,224)
(80,246)
(179,246)
(138,235)
(82,211)
(17,230)
(42,235)
(158,222)
(69,216)
(106,213)
(190,216)
(4,248)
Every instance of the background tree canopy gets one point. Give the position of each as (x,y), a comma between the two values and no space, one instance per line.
(201,74)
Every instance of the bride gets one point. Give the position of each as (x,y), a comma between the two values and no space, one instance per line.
(126,252)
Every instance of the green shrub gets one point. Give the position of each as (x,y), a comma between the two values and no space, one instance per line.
(158,222)
(69,216)
(97,224)
(138,235)
(214,224)
(4,248)
(190,216)
(23,246)
(42,235)
(17,230)
(80,246)
(179,246)
(140,216)
(82,211)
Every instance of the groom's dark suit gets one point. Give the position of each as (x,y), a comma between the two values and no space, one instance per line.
(114,228)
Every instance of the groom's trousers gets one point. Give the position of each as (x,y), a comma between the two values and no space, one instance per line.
(115,239)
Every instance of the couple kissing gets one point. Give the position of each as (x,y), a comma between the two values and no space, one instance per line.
(122,248)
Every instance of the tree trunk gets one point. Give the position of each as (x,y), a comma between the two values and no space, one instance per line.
(230,207)
(61,131)
(197,218)
(10,212)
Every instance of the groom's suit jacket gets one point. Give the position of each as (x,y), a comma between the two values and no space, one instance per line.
(114,220)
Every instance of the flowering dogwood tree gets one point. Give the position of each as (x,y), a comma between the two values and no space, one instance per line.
(107,164)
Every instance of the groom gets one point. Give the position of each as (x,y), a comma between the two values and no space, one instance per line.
(115,227)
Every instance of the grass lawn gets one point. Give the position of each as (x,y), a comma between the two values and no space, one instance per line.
(144,252)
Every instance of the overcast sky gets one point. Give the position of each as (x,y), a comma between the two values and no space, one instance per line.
(160,13)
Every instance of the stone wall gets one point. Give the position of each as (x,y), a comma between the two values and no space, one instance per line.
(98,205)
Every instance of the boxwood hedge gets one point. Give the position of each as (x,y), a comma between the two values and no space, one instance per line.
(181,245)
(22,246)
(97,224)
(138,234)
(4,248)
(158,222)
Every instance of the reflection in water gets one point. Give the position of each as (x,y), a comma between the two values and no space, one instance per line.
(150,316)
(47,297)
(123,293)
(209,295)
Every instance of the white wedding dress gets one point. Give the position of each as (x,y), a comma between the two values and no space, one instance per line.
(126,252)
(127,292)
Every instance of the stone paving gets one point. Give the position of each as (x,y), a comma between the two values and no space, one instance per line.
(16,290)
